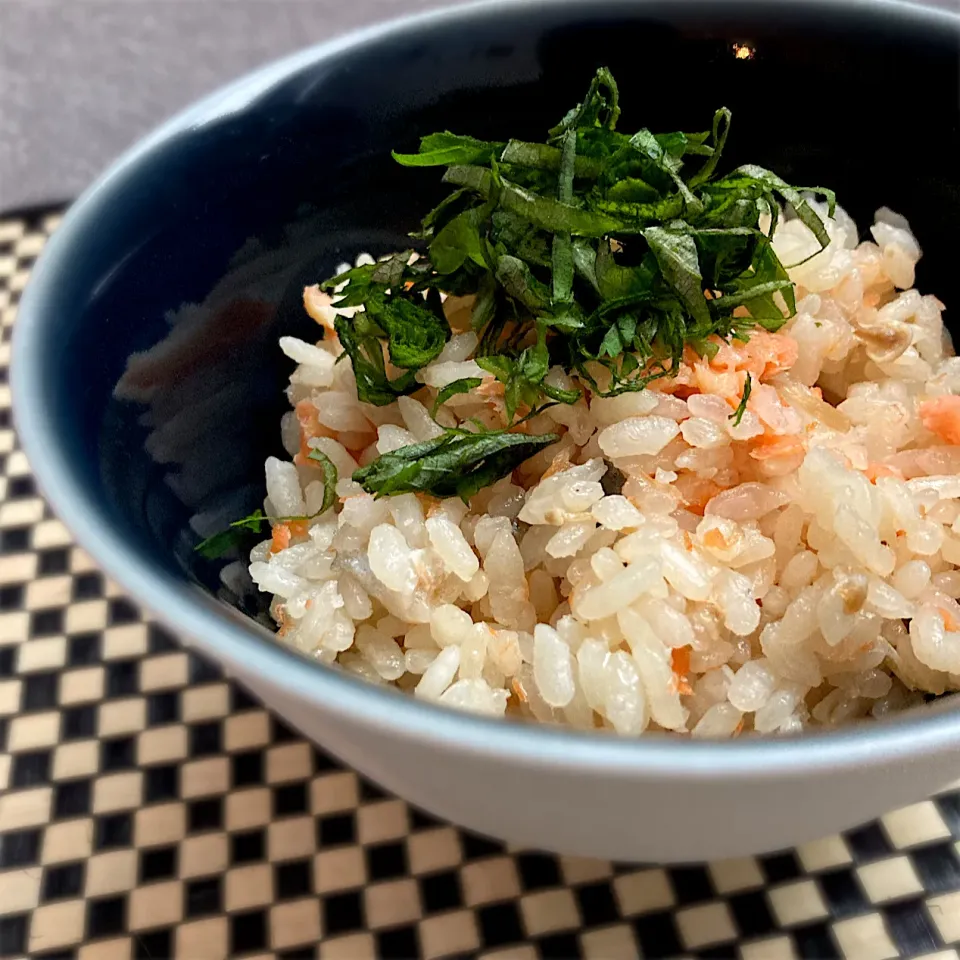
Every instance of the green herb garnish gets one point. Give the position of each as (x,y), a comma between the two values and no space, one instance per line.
(604,253)
(220,543)
(453,389)
(238,531)
(329,481)
(737,414)
(597,250)
(458,463)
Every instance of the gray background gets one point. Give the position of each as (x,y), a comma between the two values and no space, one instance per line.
(80,80)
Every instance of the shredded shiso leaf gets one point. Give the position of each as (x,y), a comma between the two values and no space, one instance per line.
(602,252)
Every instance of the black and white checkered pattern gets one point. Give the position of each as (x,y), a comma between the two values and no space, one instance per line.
(150,809)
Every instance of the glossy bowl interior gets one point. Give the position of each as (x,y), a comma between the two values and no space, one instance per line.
(149,387)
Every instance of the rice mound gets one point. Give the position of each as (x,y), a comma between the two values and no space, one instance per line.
(662,566)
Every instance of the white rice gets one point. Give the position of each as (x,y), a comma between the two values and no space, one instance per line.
(798,569)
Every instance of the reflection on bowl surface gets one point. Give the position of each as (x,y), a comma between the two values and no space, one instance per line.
(149,388)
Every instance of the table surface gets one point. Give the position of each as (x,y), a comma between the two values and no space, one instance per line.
(150,809)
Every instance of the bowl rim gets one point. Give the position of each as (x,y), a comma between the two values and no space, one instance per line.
(203,621)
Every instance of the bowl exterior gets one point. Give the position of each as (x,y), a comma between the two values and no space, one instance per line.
(625,815)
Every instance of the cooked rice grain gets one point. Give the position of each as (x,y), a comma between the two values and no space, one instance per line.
(797,569)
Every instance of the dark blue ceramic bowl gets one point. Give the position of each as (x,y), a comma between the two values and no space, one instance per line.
(149,388)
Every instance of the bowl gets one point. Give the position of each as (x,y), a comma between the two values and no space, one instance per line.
(148,386)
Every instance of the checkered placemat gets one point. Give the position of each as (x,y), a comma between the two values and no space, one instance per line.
(150,809)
